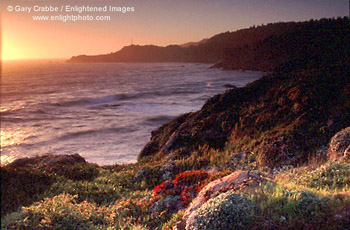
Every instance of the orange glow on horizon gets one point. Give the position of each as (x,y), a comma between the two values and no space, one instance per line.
(24,39)
(11,50)
(153,22)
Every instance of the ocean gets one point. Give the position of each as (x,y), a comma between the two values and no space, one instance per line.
(103,111)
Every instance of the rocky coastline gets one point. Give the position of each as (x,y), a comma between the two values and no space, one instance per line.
(271,155)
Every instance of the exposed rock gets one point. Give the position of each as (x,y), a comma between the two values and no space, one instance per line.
(207,192)
(169,143)
(240,179)
(282,117)
(339,145)
(46,162)
(168,166)
(161,136)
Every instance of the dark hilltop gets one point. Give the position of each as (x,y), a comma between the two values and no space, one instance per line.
(274,154)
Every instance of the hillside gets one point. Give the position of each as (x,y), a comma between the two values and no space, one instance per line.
(274,154)
(47,193)
(282,118)
(135,53)
(188,44)
(256,48)
(311,44)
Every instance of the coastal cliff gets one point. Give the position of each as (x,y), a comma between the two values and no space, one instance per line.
(285,116)
(282,118)
(266,47)
(271,155)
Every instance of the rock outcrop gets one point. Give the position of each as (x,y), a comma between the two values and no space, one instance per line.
(339,145)
(281,118)
(237,180)
(46,162)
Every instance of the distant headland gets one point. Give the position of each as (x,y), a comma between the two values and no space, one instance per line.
(260,48)
(274,154)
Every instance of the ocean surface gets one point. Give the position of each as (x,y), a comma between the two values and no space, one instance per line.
(103,111)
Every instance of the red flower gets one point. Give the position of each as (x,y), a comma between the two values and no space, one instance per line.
(186,184)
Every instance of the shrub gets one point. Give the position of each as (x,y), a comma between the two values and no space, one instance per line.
(186,184)
(165,188)
(148,176)
(93,191)
(174,219)
(21,187)
(79,171)
(59,212)
(166,205)
(310,207)
(226,211)
(189,178)
(283,208)
(130,212)
(329,176)
(64,212)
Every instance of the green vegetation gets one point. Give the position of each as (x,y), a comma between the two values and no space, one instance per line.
(285,45)
(226,211)
(174,219)
(281,119)
(21,188)
(119,198)
(111,199)
(330,176)
(298,204)
(286,118)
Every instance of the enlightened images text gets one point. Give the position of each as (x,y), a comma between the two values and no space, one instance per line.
(68,8)
(81,9)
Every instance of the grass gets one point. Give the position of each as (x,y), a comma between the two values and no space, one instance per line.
(22,188)
(173,220)
(67,197)
(123,196)
(206,158)
(289,208)
(330,176)
(306,198)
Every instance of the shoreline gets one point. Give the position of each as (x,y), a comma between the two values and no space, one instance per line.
(274,154)
(103,162)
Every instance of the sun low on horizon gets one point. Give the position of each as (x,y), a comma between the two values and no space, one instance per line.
(62,29)
(49,40)
(175,114)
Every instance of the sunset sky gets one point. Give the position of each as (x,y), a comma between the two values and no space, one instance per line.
(158,22)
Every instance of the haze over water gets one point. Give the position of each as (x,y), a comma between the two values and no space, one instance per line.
(103,111)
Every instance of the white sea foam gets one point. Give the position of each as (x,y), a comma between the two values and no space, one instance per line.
(103,111)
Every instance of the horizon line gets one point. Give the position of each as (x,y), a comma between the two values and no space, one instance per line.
(230,31)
